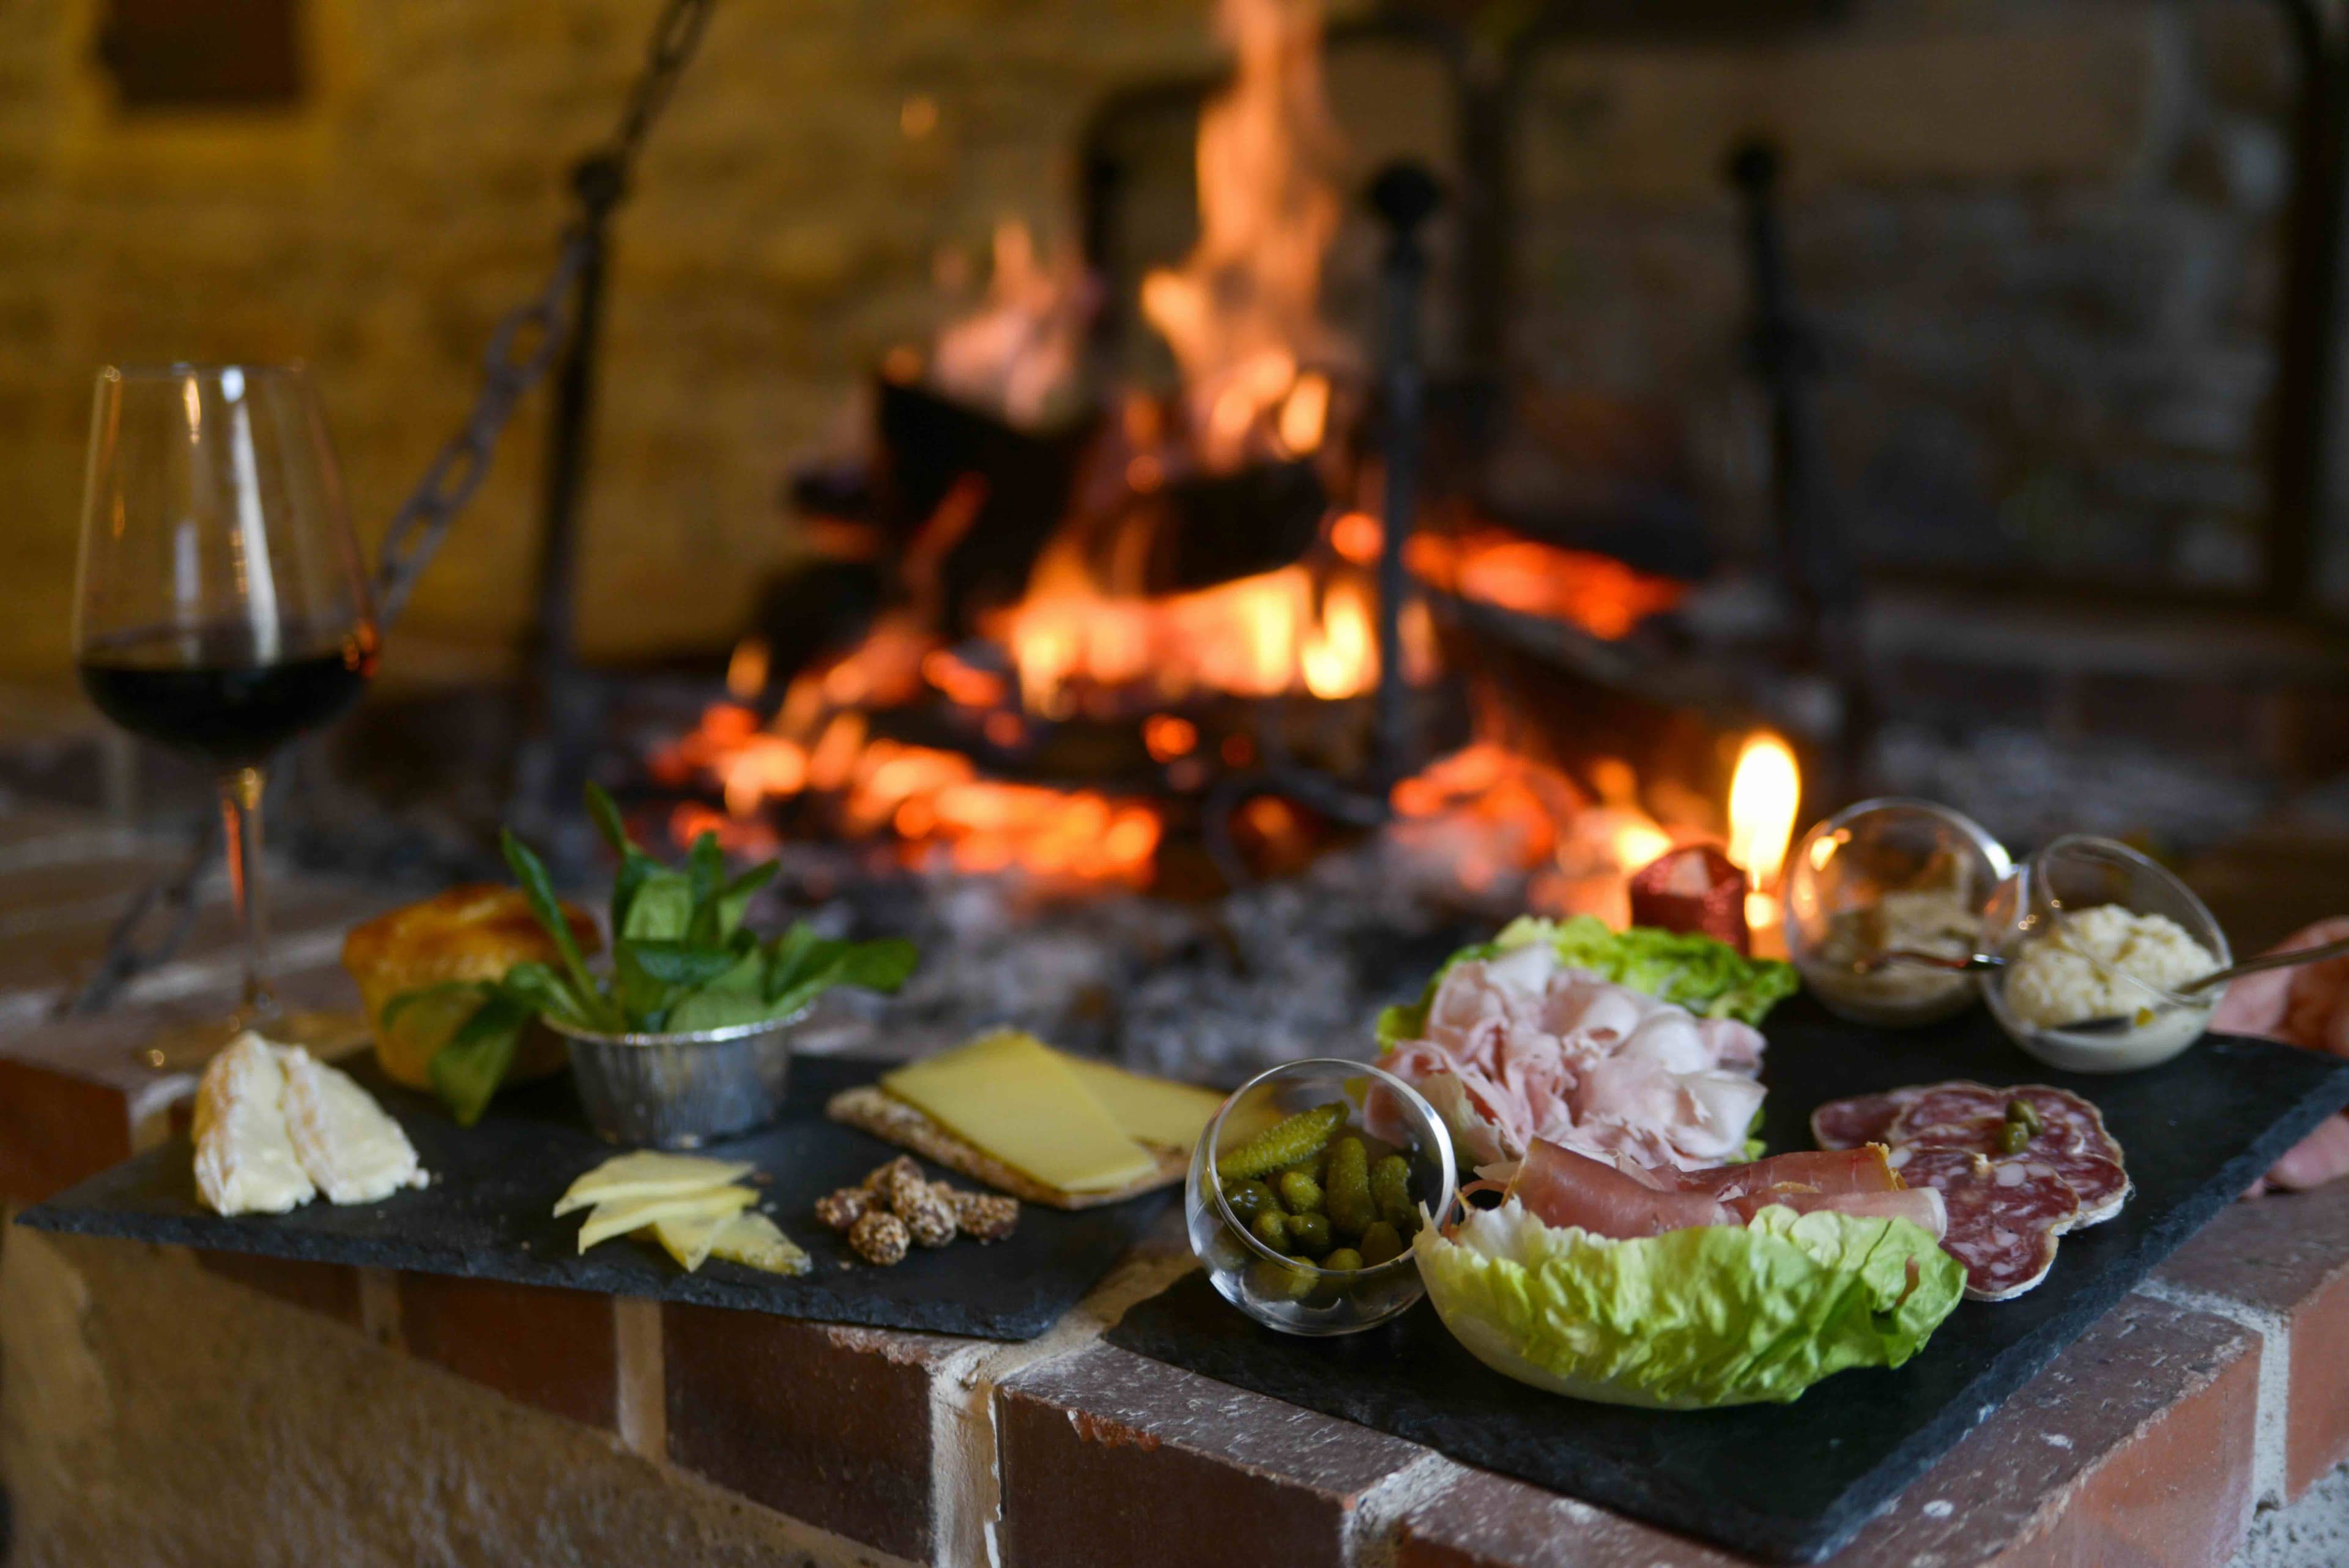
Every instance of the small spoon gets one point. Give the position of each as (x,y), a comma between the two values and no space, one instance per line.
(2117,1023)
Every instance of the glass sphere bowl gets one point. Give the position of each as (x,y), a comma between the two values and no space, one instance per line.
(2077,873)
(1837,881)
(1283,1292)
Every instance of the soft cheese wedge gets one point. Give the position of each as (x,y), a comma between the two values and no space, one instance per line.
(245,1162)
(618,1218)
(649,1175)
(1021,1101)
(1152,1109)
(346,1144)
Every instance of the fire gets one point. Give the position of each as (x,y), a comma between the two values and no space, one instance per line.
(1242,315)
(1259,636)
(1597,593)
(1020,354)
(1764,792)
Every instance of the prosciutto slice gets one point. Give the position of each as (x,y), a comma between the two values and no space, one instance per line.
(1562,1188)
(1520,1047)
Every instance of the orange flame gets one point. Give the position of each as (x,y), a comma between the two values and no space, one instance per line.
(1244,307)
(1764,792)
(1597,593)
(1020,352)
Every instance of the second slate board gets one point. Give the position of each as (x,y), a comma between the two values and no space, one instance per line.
(488,1215)
(1796,1481)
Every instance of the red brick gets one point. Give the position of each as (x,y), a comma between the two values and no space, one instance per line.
(2285,1259)
(55,1130)
(2134,1447)
(1108,1457)
(330,1289)
(827,1423)
(551,1349)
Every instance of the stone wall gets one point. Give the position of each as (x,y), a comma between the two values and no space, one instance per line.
(2040,240)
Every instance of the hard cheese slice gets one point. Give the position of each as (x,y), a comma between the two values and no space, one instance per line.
(618,1218)
(649,1175)
(753,1241)
(1022,1102)
(1151,1109)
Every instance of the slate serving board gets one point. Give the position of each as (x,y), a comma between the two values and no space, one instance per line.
(487,1215)
(1796,1481)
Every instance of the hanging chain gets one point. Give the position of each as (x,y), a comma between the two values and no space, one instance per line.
(528,338)
(522,348)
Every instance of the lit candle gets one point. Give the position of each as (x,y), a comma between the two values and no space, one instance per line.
(1765,792)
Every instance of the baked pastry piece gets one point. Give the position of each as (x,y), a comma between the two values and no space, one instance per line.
(476,931)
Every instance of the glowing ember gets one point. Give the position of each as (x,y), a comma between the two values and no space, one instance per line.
(1764,793)
(1243,311)
(1597,593)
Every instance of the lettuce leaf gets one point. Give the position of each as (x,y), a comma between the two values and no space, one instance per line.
(1719,1315)
(1710,979)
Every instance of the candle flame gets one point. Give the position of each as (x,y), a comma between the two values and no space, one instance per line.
(1763,795)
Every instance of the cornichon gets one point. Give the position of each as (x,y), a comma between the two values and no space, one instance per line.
(1299,1193)
(1344,1257)
(1347,1197)
(1382,1244)
(1283,1143)
(1310,1233)
(1271,1228)
(1391,1190)
(1250,1198)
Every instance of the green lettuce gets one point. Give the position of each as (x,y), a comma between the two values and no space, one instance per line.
(1713,1316)
(1710,979)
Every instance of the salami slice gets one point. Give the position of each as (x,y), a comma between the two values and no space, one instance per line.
(2099,1180)
(1865,1118)
(2003,1218)
(1955,1113)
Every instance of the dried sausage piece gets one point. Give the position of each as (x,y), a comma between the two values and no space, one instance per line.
(2003,1218)
(1865,1119)
(1960,1114)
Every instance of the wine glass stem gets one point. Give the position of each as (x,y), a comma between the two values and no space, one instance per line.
(241,817)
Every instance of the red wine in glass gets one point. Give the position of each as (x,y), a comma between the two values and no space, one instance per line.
(223,610)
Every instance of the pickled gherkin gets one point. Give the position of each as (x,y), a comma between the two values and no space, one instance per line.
(1344,1257)
(1310,1233)
(1250,1198)
(1271,1228)
(1290,1279)
(1382,1244)
(1299,1193)
(1391,1190)
(1286,1142)
(1347,1199)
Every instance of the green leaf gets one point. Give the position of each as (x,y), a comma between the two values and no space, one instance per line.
(705,870)
(718,1006)
(801,966)
(466,1071)
(538,988)
(538,887)
(1692,1319)
(663,907)
(609,822)
(736,898)
(682,964)
(447,991)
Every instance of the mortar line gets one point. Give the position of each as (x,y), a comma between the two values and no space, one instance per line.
(640,1408)
(2271,1431)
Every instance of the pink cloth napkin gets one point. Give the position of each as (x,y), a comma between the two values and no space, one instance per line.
(2308,1007)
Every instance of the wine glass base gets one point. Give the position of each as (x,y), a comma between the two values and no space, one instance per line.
(187,1047)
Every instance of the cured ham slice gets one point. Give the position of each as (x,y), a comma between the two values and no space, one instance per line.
(2003,1219)
(1521,1046)
(2006,1206)
(1562,1188)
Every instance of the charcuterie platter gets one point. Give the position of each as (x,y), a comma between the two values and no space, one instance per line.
(1795,1481)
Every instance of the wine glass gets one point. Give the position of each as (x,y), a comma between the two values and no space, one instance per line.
(221,610)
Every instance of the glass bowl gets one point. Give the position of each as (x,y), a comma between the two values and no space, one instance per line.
(2052,888)
(1895,873)
(1287,1292)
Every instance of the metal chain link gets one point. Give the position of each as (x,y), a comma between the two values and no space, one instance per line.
(522,348)
(541,324)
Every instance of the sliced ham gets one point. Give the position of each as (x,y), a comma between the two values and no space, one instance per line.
(1520,1046)
(1560,1187)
